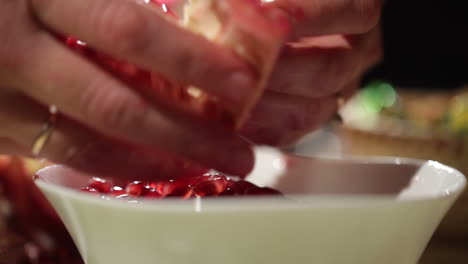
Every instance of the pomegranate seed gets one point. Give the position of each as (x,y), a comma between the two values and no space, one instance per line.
(89,190)
(146,190)
(183,182)
(134,188)
(164,188)
(188,194)
(154,185)
(162,4)
(228,192)
(153,194)
(211,187)
(241,187)
(101,185)
(76,44)
(197,180)
(207,177)
(117,191)
(182,189)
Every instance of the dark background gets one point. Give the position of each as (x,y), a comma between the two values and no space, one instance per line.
(426,44)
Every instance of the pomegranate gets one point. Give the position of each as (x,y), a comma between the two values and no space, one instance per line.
(251,29)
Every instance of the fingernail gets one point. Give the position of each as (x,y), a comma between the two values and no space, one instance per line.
(239,86)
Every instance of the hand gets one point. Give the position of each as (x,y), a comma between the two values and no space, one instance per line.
(104,124)
(332,45)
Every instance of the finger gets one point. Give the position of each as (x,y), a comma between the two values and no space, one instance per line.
(349,90)
(280,119)
(76,146)
(371,47)
(84,93)
(324,17)
(129,31)
(315,69)
(10,147)
(320,66)
(291,113)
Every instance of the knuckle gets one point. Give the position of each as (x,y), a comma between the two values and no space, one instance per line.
(368,12)
(331,72)
(120,114)
(123,27)
(110,109)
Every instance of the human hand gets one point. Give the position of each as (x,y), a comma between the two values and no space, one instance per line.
(105,126)
(332,45)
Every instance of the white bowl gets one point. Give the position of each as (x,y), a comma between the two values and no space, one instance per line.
(339,211)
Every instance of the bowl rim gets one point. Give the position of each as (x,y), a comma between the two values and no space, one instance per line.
(269,202)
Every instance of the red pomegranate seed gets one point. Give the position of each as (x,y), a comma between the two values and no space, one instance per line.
(155,185)
(162,4)
(135,188)
(217,177)
(182,188)
(179,191)
(188,194)
(153,194)
(211,187)
(117,191)
(76,44)
(228,192)
(207,177)
(241,187)
(183,182)
(101,185)
(146,189)
(197,180)
(89,190)
(164,188)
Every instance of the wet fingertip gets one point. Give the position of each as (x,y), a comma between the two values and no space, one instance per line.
(238,161)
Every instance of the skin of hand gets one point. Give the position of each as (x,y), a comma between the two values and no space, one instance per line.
(106,127)
(334,42)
